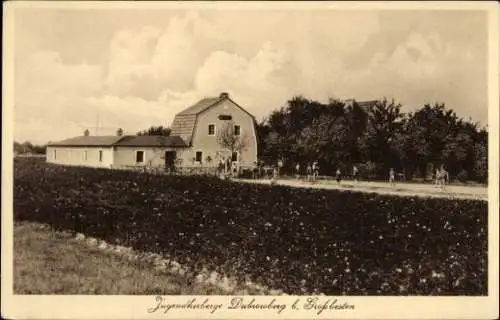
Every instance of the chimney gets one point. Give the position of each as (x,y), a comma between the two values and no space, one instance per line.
(119,132)
(224,95)
(86,133)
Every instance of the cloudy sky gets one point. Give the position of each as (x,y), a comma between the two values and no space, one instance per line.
(137,68)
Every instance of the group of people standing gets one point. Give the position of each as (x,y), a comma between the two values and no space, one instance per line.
(227,167)
(441,178)
(312,173)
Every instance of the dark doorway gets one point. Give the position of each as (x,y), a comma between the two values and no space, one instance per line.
(170,157)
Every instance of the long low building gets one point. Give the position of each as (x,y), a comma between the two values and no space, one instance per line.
(213,130)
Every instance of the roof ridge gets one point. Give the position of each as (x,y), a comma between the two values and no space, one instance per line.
(107,140)
(199,106)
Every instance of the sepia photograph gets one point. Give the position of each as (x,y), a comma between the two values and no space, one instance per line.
(228,158)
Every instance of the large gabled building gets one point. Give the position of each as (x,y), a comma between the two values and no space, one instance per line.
(194,141)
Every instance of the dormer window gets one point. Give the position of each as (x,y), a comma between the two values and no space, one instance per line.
(211,129)
(225,117)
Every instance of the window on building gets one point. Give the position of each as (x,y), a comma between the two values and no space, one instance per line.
(211,129)
(84,155)
(237,130)
(234,156)
(55,154)
(100,155)
(139,156)
(199,156)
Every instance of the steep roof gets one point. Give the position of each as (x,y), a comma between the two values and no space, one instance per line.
(88,141)
(183,125)
(151,141)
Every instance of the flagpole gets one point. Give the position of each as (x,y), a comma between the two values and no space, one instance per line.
(97,124)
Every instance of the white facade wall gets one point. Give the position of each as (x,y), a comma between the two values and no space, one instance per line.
(154,156)
(208,144)
(80,156)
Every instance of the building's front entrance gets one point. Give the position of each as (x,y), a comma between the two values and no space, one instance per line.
(170,157)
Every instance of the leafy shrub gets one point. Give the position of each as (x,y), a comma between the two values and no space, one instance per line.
(462,176)
(246,174)
(294,239)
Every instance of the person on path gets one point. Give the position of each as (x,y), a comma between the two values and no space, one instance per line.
(308,172)
(274,178)
(338,176)
(436,178)
(221,167)
(297,171)
(355,173)
(255,170)
(392,180)
(443,178)
(315,170)
(228,166)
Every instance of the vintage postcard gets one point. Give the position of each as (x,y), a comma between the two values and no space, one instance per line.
(244,160)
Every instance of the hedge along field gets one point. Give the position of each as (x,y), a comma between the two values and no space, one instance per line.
(302,241)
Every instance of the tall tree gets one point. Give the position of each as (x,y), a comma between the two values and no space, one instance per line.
(377,144)
(430,129)
(480,161)
(230,140)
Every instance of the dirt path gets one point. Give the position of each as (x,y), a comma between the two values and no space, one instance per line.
(400,189)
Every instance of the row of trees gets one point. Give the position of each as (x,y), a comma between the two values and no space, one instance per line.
(155,131)
(375,137)
(28,148)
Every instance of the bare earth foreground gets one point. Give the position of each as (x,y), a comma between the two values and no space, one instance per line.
(49,262)
(401,189)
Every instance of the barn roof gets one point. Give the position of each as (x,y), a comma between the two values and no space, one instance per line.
(88,141)
(185,121)
(151,141)
(183,125)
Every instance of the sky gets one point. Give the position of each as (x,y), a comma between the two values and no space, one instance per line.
(133,68)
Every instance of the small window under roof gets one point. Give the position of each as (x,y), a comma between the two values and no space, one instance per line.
(225,117)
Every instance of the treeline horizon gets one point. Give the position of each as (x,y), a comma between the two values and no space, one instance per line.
(28,147)
(374,137)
